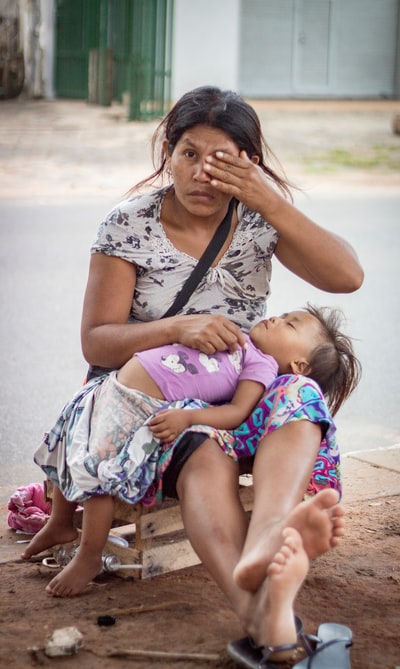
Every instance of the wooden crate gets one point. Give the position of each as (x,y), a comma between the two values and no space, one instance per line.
(155,536)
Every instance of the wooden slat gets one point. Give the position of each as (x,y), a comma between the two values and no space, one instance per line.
(127,512)
(127,555)
(161,558)
(124,530)
(159,523)
(246,497)
(151,528)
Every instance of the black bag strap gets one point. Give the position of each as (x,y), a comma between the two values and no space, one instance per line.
(193,280)
(203,264)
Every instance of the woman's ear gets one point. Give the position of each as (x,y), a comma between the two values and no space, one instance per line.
(167,149)
(167,154)
(300,366)
(255,159)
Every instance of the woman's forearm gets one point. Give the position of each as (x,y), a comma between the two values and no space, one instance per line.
(112,344)
(318,256)
(309,251)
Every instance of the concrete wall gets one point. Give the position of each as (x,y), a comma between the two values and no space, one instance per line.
(397,71)
(37,26)
(205,44)
(8,9)
(47,45)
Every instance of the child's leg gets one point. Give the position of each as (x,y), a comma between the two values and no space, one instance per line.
(59,529)
(87,563)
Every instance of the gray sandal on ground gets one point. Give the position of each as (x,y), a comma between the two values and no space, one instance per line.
(331,650)
(247,654)
(328,650)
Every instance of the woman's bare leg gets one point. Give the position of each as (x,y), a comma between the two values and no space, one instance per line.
(59,529)
(87,563)
(282,469)
(216,524)
(212,513)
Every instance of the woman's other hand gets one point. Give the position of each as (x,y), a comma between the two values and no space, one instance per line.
(208,333)
(109,340)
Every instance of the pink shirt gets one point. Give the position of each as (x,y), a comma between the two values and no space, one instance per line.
(182,372)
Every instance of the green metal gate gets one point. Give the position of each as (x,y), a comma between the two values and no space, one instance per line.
(72,48)
(108,48)
(151,28)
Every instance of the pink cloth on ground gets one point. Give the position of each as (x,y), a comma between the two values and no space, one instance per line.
(28,509)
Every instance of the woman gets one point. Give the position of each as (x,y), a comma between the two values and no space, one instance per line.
(212,150)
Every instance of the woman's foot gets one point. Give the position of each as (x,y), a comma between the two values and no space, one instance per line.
(319,521)
(271,616)
(50,535)
(74,578)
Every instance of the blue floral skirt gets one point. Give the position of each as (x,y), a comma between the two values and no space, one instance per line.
(125,460)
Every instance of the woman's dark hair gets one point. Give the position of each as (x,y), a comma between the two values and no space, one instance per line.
(333,364)
(224,110)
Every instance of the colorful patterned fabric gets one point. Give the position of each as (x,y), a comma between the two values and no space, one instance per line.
(289,398)
(130,463)
(101,443)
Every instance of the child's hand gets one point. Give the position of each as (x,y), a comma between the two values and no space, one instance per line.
(168,424)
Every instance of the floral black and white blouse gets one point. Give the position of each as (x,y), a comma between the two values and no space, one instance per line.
(237,287)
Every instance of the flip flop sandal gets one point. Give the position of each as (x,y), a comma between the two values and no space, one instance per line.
(246,652)
(332,649)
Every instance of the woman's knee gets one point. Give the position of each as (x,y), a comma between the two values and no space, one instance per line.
(293,438)
(207,466)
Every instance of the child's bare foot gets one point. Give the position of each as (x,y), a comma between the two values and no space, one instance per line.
(272,621)
(50,535)
(74,578)
(320,522)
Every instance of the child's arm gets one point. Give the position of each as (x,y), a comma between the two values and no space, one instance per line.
(168,424)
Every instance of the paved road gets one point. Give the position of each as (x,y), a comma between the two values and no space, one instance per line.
(370,419)
(43,268)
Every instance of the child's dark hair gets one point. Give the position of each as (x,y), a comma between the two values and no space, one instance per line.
(333,364)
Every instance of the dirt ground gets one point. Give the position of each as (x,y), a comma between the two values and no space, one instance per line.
(357,585)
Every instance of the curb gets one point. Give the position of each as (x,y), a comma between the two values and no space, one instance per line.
(371,474)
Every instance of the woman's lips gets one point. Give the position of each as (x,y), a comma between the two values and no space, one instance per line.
(203,195)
